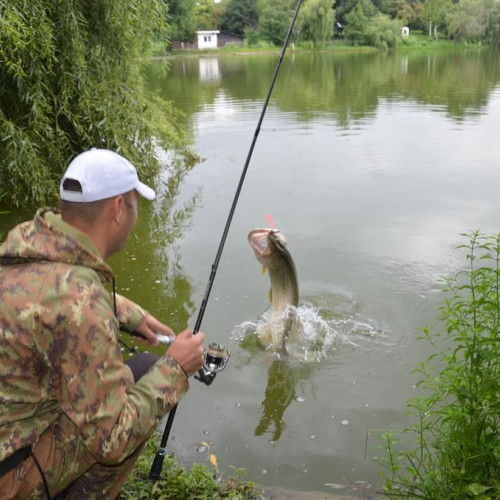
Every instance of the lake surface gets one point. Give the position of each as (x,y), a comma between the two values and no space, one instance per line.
(372,165)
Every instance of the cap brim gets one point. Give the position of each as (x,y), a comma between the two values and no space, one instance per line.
(145,191)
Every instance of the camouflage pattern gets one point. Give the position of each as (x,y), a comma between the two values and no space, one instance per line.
(63,384)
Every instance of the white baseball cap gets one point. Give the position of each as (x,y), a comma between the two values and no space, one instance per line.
(102,174)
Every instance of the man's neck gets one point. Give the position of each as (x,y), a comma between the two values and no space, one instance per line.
(95,231)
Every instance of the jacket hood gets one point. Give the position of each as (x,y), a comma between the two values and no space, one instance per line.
(38,240)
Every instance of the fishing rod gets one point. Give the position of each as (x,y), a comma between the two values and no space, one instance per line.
(216,356)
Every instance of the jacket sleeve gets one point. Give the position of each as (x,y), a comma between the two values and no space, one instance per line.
(93,385)
(129,313)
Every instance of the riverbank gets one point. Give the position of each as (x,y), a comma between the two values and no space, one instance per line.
(416,41)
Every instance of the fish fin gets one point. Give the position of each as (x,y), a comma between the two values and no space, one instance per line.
(271,295)
(264,270)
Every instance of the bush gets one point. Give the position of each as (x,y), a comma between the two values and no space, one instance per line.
(252,37)
(383,32)
(457,429)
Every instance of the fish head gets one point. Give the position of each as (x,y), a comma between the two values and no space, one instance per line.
(266,244)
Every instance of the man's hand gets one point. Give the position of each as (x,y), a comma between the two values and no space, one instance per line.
(149,327)
(187,350)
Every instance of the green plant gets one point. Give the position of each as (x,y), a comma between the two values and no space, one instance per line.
(383,32)
(457,429)
(201,482)
(73,78)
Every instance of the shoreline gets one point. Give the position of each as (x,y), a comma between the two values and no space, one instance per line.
(419,43)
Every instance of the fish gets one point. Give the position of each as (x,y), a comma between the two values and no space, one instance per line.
(270,248)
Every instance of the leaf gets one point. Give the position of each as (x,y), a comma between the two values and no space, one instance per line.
(477,489)
(213,460)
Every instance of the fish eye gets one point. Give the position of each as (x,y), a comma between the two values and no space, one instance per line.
(278,238)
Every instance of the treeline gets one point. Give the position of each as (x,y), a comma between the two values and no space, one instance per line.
(371,22)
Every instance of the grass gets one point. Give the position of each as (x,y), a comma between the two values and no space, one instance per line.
(200,482)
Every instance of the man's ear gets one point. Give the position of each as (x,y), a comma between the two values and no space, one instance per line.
(117,209)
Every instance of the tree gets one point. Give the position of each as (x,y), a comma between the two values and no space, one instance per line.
(240,15)
(343,7)
(71,78)
(416,21)
(182,20)
(274,24)
(383,32)
(209,14)
(316,21)
(493,25)
(358,20)
(434,13)
(403,10)
(274,19)
(467,20)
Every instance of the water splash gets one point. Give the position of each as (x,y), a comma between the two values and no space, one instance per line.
(321,334)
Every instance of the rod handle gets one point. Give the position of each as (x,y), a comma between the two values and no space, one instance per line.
(155,472)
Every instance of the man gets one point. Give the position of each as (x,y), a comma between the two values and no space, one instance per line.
(73,415)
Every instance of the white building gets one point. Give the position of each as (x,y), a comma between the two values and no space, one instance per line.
(207,39)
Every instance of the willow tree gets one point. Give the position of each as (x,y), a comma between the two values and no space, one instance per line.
(316,21)
(70,79)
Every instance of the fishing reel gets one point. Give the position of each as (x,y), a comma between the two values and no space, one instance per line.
(215,360)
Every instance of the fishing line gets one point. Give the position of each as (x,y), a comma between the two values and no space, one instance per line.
(290,66)
(157,465)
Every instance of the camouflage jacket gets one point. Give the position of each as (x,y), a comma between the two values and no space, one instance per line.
(59,353)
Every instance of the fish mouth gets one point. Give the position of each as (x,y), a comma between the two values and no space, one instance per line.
(267,244)
(258,239)
(261,240)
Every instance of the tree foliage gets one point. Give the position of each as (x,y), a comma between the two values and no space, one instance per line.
(467,20)
(493,26)
(240,15)
(383,32)
(358,20)
(182,22)
(343,7)
(316,21)
(434,15)
(274,23)
(71,79)
(209,15)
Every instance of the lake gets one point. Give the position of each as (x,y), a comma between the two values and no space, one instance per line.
(372,165)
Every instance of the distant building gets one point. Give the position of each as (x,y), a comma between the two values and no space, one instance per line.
(217,39)
(207,39)
(226,38)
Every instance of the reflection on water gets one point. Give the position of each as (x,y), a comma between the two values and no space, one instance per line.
(282,377)
(344,86)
